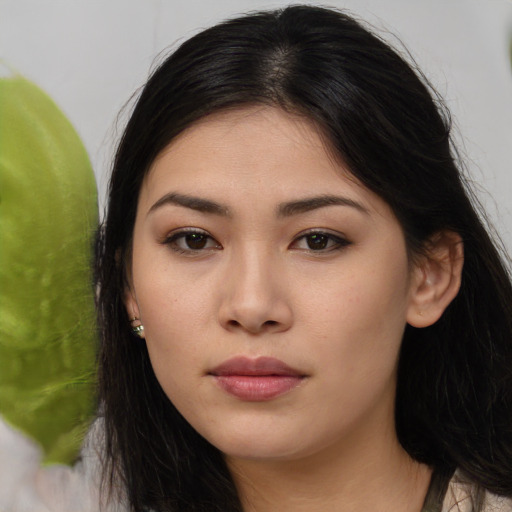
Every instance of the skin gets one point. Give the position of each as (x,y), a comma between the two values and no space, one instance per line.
(252,280)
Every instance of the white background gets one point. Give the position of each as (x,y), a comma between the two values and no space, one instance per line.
(92,55)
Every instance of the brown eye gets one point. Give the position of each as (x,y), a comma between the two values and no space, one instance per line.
(195,241)
(191,241)
(317,242)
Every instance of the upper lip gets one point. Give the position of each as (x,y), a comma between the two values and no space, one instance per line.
(259,366)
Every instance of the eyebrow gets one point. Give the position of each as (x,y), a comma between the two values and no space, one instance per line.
(313,203)
(194,203)
(287,209)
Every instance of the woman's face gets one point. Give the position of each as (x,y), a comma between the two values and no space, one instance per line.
(273,287)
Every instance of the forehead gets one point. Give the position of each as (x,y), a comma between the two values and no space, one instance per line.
(246,131)
(250,154)
(251,118)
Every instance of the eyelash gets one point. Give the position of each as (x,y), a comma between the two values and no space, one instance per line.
(336,242)
(174,238)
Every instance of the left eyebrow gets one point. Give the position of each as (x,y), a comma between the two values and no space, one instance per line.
(312,203)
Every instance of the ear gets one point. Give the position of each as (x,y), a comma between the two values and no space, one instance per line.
(131,305)
(436,278)
(132,309)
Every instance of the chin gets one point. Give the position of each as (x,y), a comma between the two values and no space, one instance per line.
(253,443)
(271,443)
(260,451)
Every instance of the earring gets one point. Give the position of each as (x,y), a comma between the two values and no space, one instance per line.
(137,327)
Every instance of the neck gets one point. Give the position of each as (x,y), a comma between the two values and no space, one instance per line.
(375,475)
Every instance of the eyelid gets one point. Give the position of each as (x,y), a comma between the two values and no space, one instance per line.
(172,238)
(335,241)
(339,239)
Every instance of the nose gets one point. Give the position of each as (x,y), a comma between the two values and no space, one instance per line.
(255,295)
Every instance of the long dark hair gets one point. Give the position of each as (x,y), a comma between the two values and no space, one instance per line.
(454,394)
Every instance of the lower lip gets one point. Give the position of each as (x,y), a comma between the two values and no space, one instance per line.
(257,388)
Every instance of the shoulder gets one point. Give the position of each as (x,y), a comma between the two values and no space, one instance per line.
(495,503)
(464,497)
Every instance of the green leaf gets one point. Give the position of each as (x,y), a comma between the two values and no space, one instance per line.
(48,217)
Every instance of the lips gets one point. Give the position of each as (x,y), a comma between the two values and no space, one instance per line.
(256,380)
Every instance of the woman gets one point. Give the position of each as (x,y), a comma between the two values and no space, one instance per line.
(300,307)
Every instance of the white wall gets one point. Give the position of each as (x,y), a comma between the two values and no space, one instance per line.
(91,55)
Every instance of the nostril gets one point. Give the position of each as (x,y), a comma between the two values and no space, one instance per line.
(268,324)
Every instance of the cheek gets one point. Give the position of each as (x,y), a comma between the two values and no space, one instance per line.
(360,322)
(171,320)
(170,298)
(177,318)
(175,355)
(362,301)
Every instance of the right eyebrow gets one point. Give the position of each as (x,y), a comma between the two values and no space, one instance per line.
(194,203)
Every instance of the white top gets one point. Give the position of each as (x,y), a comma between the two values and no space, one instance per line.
(458,498)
